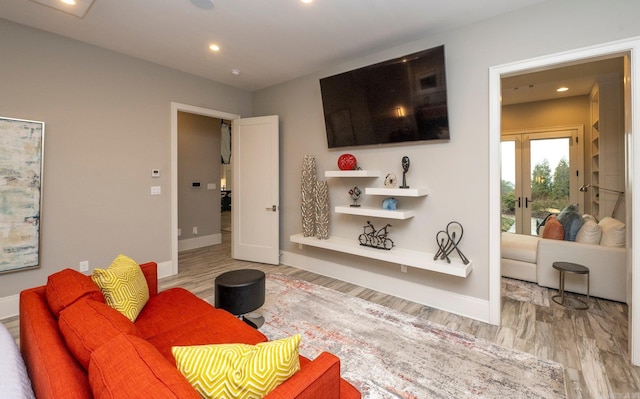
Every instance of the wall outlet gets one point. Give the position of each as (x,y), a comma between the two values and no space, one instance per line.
(403,268)
(84,266)
(195,230)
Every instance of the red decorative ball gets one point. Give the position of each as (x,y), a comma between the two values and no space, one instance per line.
(347,162)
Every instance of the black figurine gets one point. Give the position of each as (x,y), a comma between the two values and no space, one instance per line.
(405,168)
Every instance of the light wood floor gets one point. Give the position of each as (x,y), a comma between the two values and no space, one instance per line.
(591,344)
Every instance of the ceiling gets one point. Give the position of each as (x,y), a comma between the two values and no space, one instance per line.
(268,41)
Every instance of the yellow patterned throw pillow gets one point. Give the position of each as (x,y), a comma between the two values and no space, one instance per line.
(123,286)
(238,371)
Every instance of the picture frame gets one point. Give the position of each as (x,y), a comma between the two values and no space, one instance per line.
(21,171)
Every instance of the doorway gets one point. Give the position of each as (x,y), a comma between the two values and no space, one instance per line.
(175,109)
(540,175)
(630,49)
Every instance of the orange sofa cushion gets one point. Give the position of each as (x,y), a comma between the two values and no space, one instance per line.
(129,367)
(553,229)
(67,286)
(87,325)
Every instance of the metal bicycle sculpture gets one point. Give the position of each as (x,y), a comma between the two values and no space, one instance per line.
(446,247)
(376,238)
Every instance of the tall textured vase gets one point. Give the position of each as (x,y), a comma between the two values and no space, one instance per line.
(308,196)
(322,210)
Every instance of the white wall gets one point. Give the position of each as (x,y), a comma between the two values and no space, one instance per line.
(457,172)
(107,118)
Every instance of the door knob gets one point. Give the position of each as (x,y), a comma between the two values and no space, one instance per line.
(273,208)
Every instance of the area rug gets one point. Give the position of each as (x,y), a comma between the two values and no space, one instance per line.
(525,291)
(389,354)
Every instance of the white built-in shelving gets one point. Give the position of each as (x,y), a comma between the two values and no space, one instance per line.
(396,192)
(352,173)
(375,212)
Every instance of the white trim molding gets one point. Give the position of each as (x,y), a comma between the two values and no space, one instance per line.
(9,306)
(199,242)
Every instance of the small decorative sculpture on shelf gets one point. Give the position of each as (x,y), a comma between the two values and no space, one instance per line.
(376,238)
(405,168)
(389,204)
(355,194)
(447,242)
(390,180)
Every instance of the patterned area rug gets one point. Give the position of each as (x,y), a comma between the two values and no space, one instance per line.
(389,354)
(525,291)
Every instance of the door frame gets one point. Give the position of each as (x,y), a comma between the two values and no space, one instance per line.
(191,109)
(631,48)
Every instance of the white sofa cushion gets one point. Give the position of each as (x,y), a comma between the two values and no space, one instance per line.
(613,232)
(589,233)
(519,247)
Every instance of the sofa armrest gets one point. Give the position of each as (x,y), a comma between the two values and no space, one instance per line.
(150,271)
(607,268)
(319,378)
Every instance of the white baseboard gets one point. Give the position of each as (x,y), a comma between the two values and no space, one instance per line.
(199,242)
(463,305)
(165,269)
(9,306)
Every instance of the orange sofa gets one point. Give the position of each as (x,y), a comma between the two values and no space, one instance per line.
(75,346)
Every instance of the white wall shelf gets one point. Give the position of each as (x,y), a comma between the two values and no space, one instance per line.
(396,192)
(408,257)
(375,212)
(352,173)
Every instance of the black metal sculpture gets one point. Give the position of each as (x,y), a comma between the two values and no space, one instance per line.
(376,238)
(447,242)
(405,168)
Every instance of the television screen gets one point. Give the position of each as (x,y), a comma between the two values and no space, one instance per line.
(399,100)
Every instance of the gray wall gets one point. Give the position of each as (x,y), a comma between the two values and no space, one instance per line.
(198,160)
(107,119)
(457,172)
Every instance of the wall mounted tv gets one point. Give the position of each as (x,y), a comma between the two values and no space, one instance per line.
(399,100)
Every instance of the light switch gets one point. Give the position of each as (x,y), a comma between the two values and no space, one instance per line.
(155,172)
(156,190)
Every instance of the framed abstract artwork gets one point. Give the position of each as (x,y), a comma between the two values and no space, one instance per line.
(21,165)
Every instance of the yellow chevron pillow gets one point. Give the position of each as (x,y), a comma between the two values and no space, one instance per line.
(123,286)
(238,371)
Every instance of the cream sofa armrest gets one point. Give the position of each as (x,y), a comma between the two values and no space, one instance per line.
(607,268)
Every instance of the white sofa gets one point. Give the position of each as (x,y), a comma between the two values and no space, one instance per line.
(530,258)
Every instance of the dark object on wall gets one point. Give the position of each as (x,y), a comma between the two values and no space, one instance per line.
(399,100)
(447,242)
(376,238)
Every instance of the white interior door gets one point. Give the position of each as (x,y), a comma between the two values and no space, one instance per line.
(256,190)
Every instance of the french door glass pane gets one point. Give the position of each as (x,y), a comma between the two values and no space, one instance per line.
(550,177)
(507,186)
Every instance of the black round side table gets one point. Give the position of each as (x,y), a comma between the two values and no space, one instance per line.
(561,299)
(240,292)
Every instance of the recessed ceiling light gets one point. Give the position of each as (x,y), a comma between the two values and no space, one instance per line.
(235,72)
(78,8)
(561,89)
(214,47)
(306,1)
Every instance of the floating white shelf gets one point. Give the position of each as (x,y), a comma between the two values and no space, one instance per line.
(351,173)
(375,212)
(408,257)
(396,192)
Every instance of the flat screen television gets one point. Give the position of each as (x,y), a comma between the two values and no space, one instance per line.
(394,101)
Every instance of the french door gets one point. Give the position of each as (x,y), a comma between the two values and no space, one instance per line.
(541,174)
